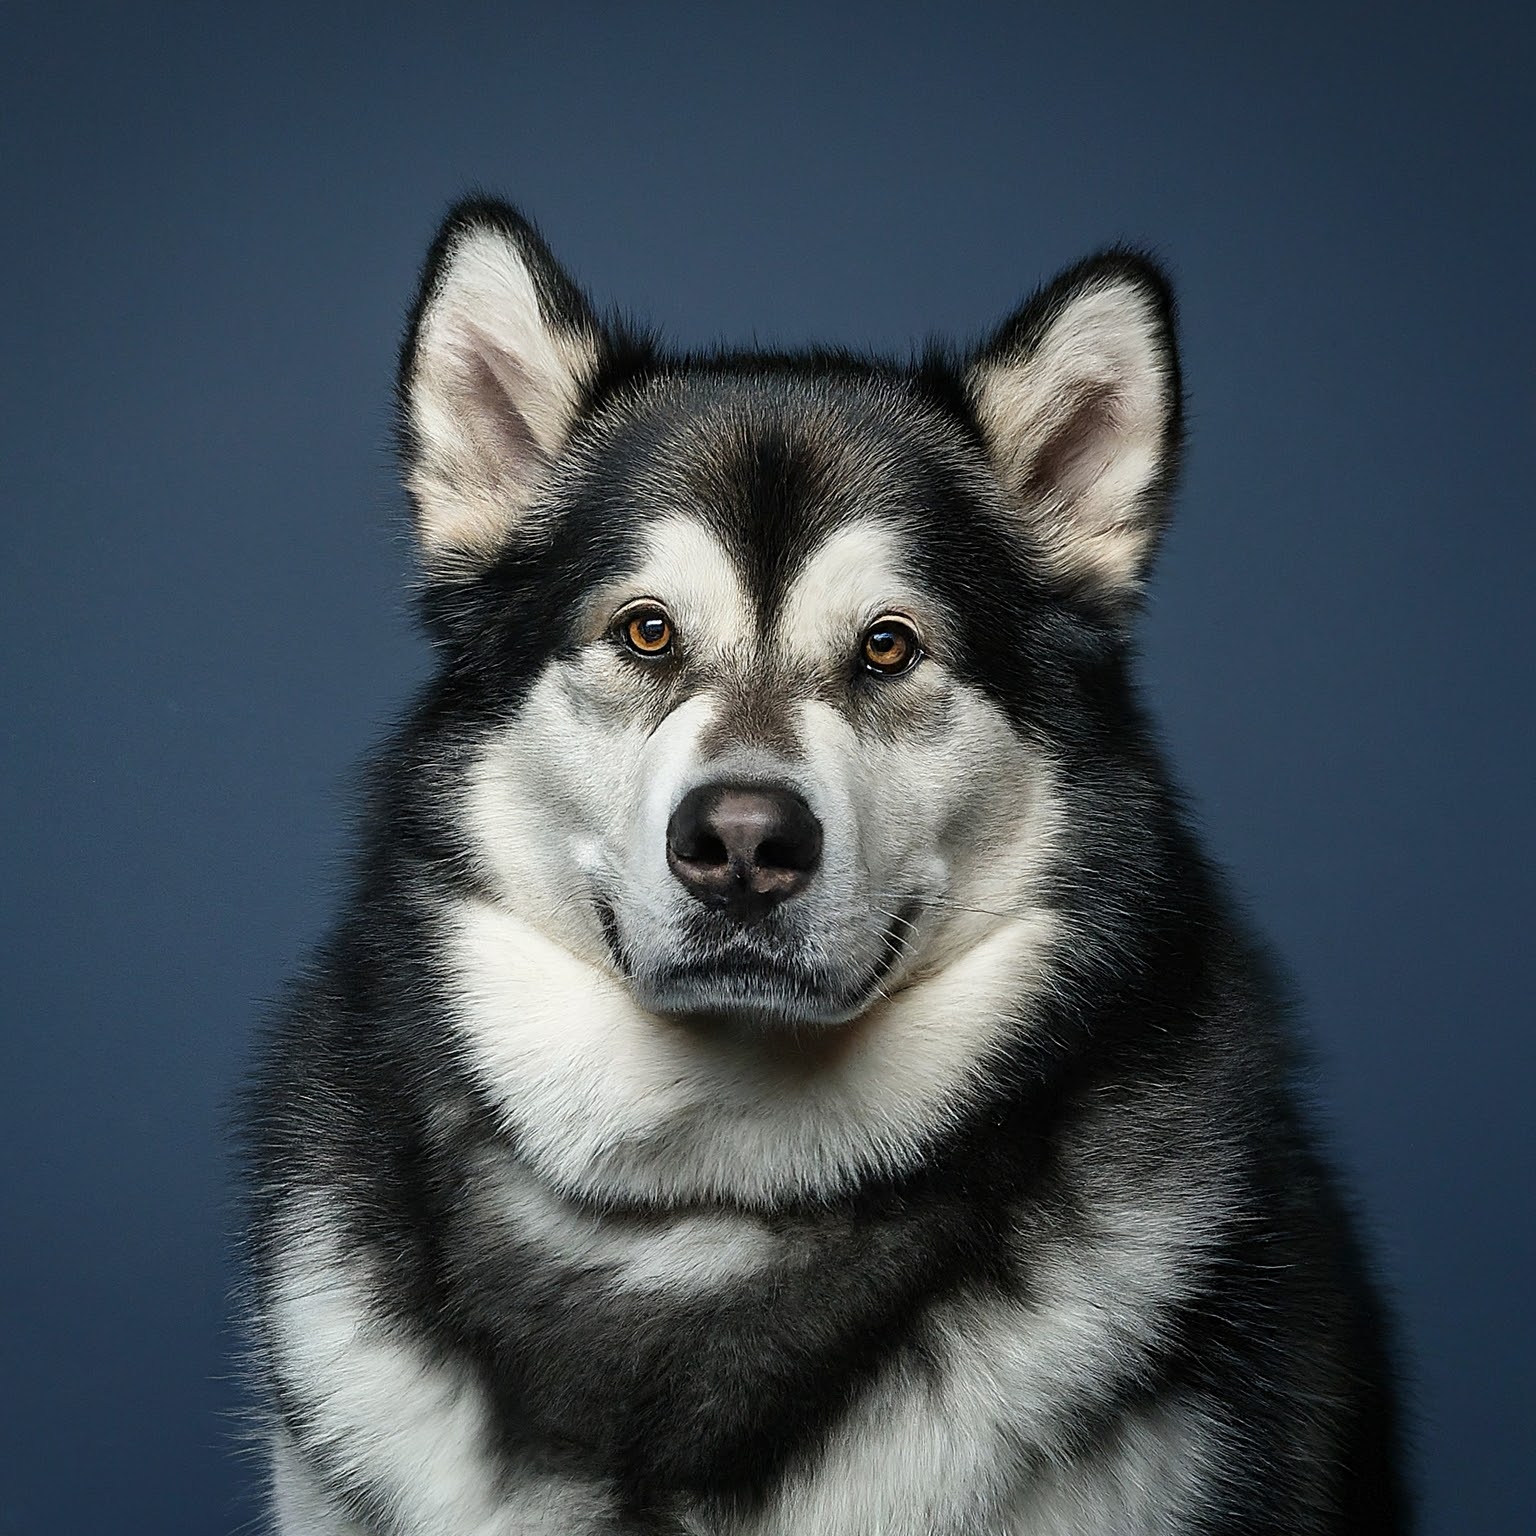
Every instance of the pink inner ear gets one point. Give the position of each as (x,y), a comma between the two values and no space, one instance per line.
(491,384)
(1080,448)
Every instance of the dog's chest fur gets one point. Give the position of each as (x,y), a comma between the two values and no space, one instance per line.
(799,1377)
(864,1366)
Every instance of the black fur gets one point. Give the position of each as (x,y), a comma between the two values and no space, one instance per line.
(1165,1012)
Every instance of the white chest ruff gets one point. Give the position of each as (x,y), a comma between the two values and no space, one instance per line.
(609,1102)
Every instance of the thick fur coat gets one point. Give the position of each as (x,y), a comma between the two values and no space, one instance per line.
(783,1066)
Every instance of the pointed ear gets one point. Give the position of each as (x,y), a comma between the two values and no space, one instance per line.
(501,347)
(1078,399)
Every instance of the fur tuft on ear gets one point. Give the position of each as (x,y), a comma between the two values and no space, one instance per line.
(1078,398)
(500,349)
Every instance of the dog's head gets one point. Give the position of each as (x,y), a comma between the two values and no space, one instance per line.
(765,677)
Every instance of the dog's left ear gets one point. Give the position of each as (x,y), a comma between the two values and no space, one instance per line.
(501,348)
(1077,395)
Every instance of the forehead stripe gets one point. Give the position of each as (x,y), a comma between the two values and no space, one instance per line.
(688,567)
(857,570)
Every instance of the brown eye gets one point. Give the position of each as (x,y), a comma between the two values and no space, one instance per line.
(646,630)
(890,646)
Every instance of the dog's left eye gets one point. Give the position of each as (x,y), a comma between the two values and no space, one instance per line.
(890,646)
(646,628)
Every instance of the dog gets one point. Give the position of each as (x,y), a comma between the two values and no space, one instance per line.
(784,1066)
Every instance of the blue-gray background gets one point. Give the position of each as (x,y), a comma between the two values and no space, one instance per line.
(212,220)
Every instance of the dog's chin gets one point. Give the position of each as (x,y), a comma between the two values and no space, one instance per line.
(728,982)
(759,999)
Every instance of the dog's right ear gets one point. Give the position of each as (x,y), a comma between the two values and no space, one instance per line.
(501,347)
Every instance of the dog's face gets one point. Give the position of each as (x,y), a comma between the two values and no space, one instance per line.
(745,654)
(753,761)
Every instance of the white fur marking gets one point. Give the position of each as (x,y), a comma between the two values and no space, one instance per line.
(410,1428)
(610,1101)
(299,1504)
(684,1254)
(687,567)
(854,577)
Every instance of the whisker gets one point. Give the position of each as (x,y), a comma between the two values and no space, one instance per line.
(953,906)
(895,917)
(903,944)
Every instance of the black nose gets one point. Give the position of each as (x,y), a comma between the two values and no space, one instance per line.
(743,847)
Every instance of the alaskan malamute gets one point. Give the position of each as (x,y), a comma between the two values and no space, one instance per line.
(784,1067)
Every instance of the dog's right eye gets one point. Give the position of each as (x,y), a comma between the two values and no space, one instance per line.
(890,647)
(646,629)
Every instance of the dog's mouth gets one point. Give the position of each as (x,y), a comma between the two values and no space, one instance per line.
(747,978)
